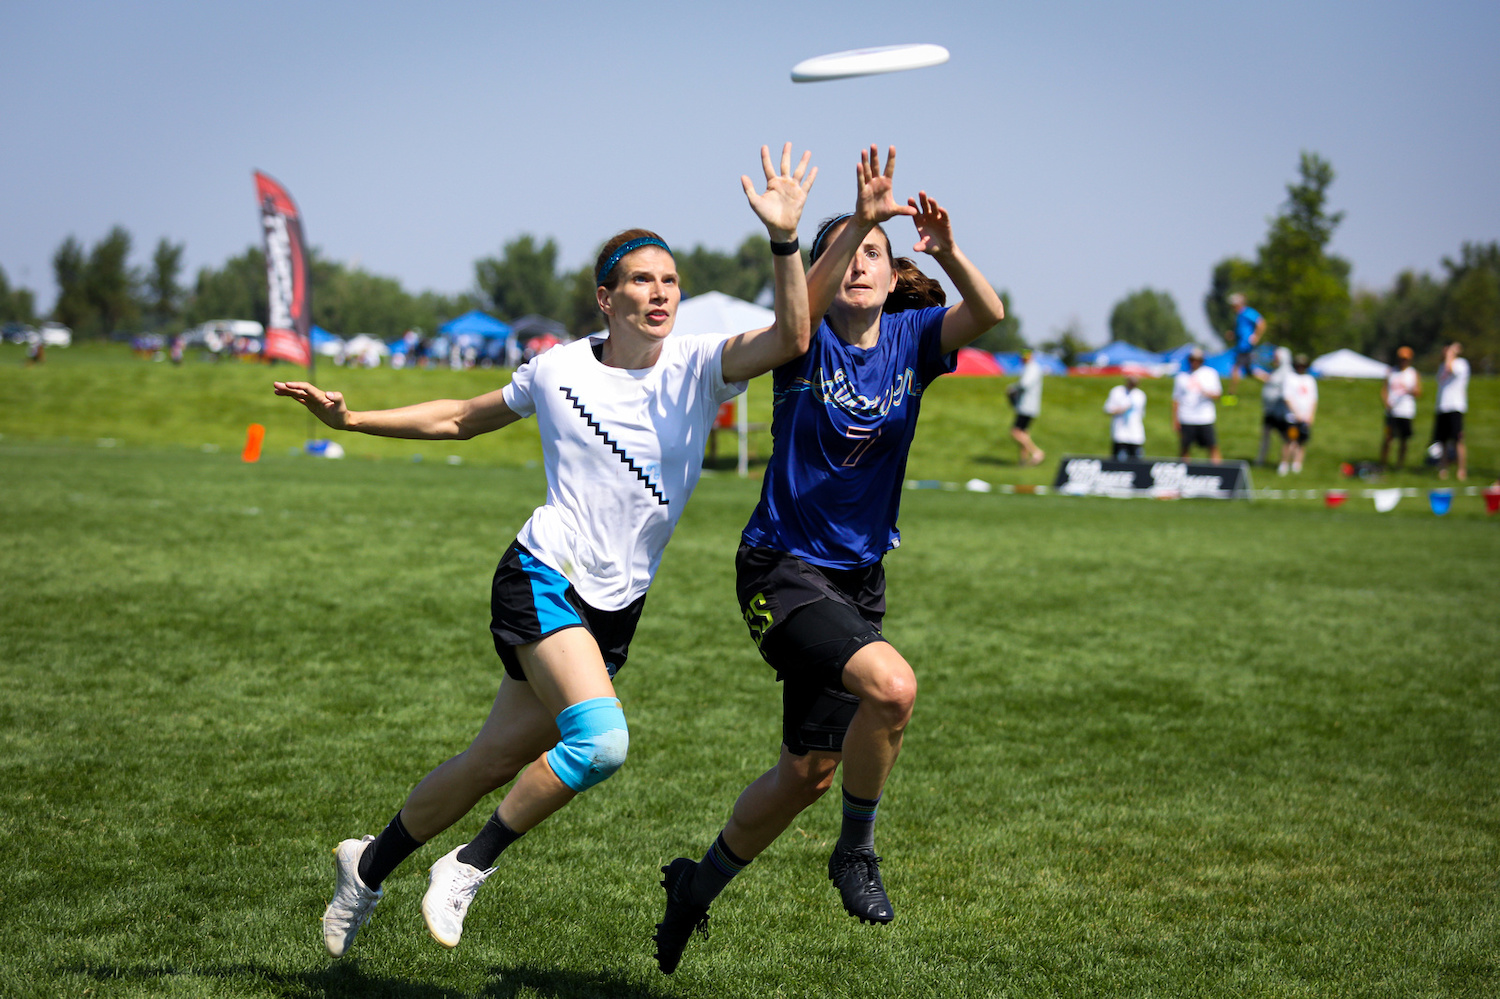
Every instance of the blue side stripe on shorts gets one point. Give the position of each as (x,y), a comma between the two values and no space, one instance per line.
(548,587)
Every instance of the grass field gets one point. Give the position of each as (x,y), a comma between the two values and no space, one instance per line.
(1161,749)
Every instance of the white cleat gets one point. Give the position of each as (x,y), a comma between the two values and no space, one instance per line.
(451,885)
(352,901)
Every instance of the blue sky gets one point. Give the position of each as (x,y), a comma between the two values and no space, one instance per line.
(1084,149)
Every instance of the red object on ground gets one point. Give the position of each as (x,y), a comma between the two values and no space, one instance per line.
(973,361)
(253,441)
(1492,500)
(1335,497)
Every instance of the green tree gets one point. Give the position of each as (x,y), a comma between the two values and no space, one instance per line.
(1230,275)
(163,286)
(17,305)
(523,280)
(110,284)
(744,273)
(68,265)
(1471,310)
(1005,336)
(236,290)
(1303,290)
(1067,343)
(1410,314)
(580,308)
(1149,320)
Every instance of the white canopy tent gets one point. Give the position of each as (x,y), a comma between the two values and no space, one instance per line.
(1346,363)
(716,312)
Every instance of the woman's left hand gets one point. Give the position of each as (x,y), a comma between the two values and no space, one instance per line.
(780,207)
(934,226)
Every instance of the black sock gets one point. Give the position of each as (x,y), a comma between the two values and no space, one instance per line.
(380,858)
(714,872)
(858,829)
(482,850)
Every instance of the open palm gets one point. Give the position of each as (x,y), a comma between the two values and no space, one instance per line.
(780,206)
(875,199)
(934,226)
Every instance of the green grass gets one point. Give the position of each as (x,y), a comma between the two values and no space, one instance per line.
(1161,749)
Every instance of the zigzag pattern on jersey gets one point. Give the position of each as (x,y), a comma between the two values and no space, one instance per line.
(625,459)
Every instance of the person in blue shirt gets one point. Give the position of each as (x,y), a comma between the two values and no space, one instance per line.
(810,576)
(1249,328)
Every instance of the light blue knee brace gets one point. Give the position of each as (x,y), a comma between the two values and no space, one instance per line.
(593,745)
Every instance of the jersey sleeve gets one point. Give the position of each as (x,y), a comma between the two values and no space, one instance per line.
(712,369)
(517,394)
(931,361)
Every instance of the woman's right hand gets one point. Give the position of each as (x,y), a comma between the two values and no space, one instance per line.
(326,406)
(875,200)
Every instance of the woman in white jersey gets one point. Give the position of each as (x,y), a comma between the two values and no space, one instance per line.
(810,570)
(623,418)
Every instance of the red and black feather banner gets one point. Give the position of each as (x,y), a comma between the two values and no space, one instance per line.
(289,333)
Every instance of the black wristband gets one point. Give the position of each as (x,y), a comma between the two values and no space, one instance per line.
(785,249)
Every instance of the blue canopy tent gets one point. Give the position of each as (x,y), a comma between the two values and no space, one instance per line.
(1117,353)
(1010,363)
(480,323)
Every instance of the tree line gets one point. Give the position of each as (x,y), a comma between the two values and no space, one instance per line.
(1300,287)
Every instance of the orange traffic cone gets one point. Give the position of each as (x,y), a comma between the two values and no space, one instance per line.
(252,443)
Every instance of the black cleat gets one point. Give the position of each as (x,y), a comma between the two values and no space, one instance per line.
(857,874)
(682,916)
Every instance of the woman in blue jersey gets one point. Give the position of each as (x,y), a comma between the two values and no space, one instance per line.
(809,570)
(623,419)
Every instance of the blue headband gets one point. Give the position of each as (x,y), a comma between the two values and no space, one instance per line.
(817,247)
(624,248)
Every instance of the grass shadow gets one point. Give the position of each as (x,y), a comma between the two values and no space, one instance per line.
(344,980)
(558,983)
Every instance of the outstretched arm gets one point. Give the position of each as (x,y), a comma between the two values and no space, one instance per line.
(981,308)
(874,202)
(780,209)
(440,419)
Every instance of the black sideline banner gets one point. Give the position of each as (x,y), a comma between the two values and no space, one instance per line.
(1165,478)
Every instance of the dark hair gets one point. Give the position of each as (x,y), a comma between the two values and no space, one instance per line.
(616,241)
(914,290)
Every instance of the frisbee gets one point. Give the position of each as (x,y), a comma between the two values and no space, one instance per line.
(867,62)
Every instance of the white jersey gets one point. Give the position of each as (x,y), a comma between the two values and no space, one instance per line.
(1030,403)
(623,449)
(1194,392)
(1453,387)
(1128,407)
(1399,386)
(1301,393)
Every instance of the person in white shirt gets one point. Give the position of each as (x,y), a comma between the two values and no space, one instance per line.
(623,418)
(1399,395)
(1301,395)
(1127,431)
(1452,404)
(1193,412)
(1272,406)
(1028,408)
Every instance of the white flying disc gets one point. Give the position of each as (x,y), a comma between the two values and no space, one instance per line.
(866,62)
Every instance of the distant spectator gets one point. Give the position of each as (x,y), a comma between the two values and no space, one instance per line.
(1452,404)
(36,348)
(1193,411)
(1399,395)
(1272,404)
(1301,395)
(1127,431)
(1249,327)
(1028,407)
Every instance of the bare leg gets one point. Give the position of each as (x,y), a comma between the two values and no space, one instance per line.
(1463,459)
(887,691)
(767,807)
(1385,448)
(1214,455)
(1265,444)
(1030,453)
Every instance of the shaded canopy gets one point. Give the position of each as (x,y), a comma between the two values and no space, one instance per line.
(477,322)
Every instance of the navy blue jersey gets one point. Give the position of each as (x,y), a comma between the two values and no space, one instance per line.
(842,423)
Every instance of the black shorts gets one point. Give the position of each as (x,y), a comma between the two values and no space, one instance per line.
(1398,427)
(1201,434)
(1243,360)
(530,600)
(1125,452)
(808,621)
(1274,422)
(1448,428)
(1022,421)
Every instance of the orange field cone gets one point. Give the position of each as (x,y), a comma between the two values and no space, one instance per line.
(253,442)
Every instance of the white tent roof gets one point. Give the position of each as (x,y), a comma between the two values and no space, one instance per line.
(716,312)
(1347,363)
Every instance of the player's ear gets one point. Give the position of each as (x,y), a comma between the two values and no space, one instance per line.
(601,295)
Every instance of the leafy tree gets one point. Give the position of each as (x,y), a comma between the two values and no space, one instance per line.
(164,291)
(17,305)
(523,280)
(1005,336)
(1471,312)
(1149,320)
(743,273)
(1230,275)
(110,284)
(235,291)
(1303,290)
(1067,343)
(72,306)
(580,308)
(1410,314)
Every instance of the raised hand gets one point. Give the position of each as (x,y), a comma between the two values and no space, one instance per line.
(934,226)
(326,406)
(874,200)
(780,207)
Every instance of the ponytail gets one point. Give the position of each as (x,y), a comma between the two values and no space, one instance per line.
(914,290)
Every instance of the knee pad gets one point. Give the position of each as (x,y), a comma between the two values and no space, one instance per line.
(593,745)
